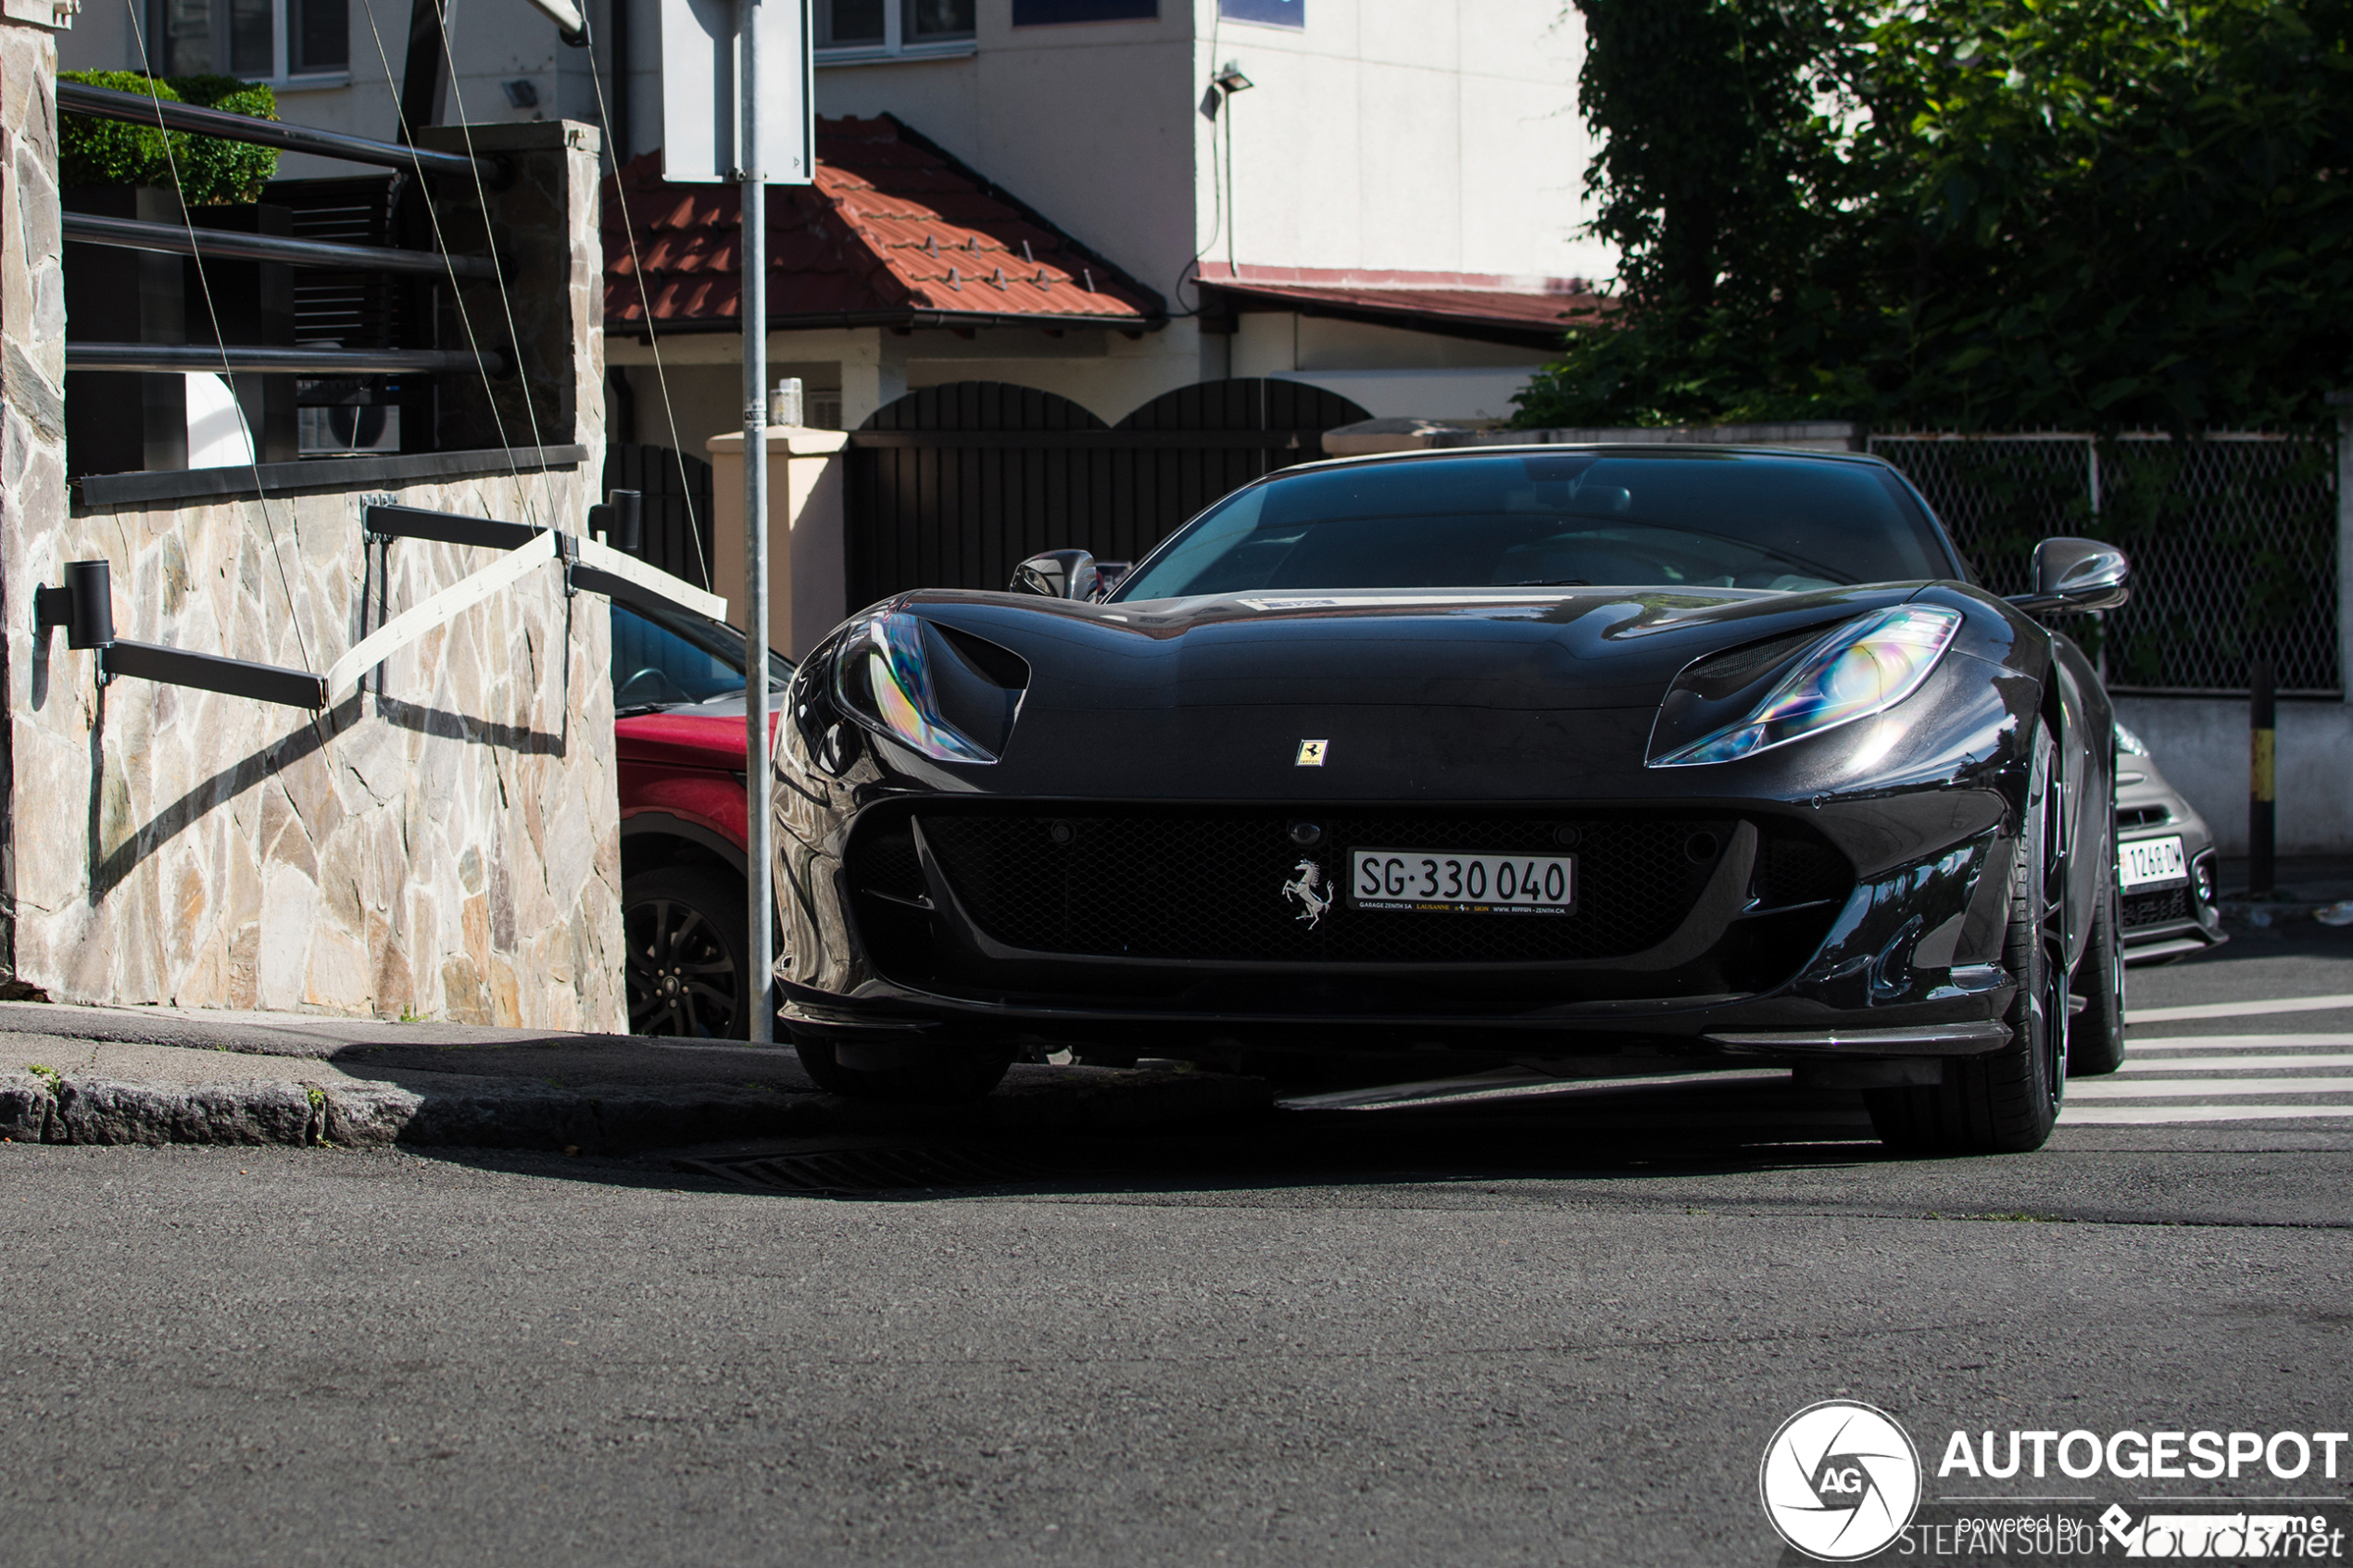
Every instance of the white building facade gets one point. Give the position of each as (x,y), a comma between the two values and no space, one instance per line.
(1365,156)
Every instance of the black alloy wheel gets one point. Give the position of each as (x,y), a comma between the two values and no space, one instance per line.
(2007,1102)
(684,929)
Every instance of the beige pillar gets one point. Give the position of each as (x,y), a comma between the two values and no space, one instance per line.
(805,551)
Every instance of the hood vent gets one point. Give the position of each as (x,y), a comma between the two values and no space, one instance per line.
(977,683)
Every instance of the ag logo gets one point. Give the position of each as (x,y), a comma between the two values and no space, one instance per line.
(1839,1481)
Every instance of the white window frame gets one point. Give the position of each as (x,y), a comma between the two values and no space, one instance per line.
(893,46)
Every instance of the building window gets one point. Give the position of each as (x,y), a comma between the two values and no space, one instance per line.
(1272,13)
(259,40)
(850,31)
(1047,13)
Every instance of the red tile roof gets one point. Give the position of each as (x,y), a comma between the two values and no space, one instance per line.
(893,230)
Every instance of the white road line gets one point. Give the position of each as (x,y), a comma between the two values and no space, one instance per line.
(2108,1088)
(2232,1063)
(2129,1115)
(2240,1010)
(2236,1042)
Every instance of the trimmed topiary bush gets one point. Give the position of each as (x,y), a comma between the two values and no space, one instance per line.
(212,170)
(108,152)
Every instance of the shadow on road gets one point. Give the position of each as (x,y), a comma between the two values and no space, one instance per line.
(1564,1132)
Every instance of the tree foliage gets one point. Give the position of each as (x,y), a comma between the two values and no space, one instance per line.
(212,170)
(1985,214)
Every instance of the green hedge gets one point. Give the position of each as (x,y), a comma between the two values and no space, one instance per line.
(212,170)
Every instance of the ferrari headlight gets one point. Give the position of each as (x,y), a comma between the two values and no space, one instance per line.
(882,673)
(1865,666)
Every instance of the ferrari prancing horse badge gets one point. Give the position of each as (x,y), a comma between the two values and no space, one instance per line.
(1311,753)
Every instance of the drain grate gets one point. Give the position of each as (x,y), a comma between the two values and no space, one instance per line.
(875,1172)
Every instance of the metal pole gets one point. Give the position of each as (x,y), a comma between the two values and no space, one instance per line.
(2343,402)
(760,907)
(2262,733)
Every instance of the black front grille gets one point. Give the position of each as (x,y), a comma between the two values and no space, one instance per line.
(2128,818)
(2155,909)
(1799,871)
(1206,885)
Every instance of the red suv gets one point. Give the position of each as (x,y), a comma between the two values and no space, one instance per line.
(678,706)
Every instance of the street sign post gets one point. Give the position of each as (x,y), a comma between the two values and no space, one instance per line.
(735,107)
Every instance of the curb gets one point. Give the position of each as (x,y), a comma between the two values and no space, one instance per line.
(62,1108)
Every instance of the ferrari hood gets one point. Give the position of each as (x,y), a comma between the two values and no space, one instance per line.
(1510,693)
(1493,648)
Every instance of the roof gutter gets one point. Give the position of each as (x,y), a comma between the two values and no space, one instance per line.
(907,318)
(1533,334)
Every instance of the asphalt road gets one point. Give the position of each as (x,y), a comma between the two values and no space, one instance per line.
(1557,1329)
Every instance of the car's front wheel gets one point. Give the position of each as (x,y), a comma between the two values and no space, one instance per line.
(2006,1102)
(689,954)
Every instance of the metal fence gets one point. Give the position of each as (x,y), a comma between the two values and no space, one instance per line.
(2232,542)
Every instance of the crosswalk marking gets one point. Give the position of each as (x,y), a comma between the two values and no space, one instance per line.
(2236,1042)
(2173,1079)
(2232,1061)
(2130,1115)
(2108,1088)
(2239,1009)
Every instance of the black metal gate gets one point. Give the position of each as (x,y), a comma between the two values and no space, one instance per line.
(953,486)
(677,509)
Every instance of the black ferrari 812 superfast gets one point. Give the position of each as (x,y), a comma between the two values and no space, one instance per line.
(1591,758)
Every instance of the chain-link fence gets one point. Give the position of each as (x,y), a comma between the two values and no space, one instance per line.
(2232,543)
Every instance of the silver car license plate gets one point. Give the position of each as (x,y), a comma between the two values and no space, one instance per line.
(2148,860)
(1453,882)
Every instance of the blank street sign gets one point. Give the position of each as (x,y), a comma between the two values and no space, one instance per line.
(699,69)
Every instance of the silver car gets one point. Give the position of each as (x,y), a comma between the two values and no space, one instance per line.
(2165,861)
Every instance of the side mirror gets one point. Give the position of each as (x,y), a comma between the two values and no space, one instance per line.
(1057,574)
(2077,574)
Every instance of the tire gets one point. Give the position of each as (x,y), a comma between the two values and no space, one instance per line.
(2006,1102)
(926,1074)
(2095,1038)
(689,954)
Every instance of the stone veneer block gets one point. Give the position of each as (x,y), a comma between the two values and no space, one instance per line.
(443,844)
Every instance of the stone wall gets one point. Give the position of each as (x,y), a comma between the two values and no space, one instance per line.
(443,844)
(33,355)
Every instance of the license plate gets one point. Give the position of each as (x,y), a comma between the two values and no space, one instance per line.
(1451,882)
(2150,860)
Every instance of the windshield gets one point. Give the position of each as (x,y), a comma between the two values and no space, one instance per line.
(662,657)
(1717,520)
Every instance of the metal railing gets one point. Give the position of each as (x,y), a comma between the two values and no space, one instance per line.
(167,358)
(137,108)
(210,243)
(2233,538)
(83,606)
(130,233)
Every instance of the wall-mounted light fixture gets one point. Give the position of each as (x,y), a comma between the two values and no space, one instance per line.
(1228,80)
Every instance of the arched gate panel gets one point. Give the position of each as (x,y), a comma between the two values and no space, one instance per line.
(953,486)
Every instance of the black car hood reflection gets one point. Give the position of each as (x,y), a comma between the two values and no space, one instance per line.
(1550,649)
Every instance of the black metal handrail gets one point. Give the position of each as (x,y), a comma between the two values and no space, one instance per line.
(137,108)
(130,233)
(178,358)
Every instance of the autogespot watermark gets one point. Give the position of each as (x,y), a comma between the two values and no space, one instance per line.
(1839,1481)
(1842,1482)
